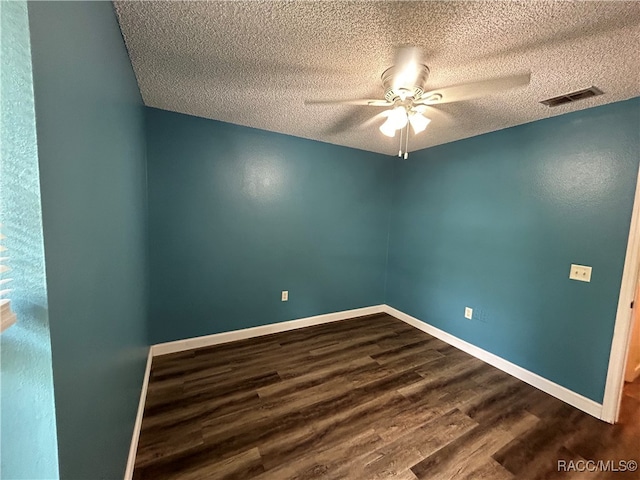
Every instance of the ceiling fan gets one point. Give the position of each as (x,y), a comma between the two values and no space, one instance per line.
(407,99)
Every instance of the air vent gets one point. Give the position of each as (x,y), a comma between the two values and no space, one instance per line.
(572,97)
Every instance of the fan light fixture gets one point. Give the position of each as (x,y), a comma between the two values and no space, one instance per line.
(403,85)
(407,100)
(388,129)
(418,122)
(398,118)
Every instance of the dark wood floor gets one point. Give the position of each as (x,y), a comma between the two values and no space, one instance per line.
(367,398)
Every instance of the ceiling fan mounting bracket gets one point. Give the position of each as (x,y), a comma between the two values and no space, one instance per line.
(396,87)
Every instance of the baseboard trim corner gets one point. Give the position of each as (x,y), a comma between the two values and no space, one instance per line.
(225,337)
(562,393)
(131,460)
(232,336)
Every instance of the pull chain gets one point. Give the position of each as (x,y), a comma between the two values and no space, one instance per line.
(404,133)
(406,144)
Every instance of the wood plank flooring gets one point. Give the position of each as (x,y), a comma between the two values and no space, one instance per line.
(367,398)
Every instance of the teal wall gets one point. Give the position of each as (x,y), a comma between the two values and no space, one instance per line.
(90,126)
(494,222)
(236,215)
(27,412)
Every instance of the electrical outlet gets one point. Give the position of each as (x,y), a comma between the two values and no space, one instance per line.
(468,313)
(285,295)
(581,273)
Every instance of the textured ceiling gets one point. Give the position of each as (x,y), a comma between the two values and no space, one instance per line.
(254,63)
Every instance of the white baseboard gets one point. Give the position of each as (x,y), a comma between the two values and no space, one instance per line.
(572,398)
(128,473)
(568,396)
(217,338)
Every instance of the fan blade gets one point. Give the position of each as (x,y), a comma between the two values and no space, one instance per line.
(373,120)
(440,116)
(472,90)
(354,121)
(367,102)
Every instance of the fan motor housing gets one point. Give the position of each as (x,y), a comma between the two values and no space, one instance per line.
(415,88)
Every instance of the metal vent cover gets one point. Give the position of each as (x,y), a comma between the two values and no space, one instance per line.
(572,97)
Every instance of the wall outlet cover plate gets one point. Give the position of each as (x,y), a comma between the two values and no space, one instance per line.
(581,273)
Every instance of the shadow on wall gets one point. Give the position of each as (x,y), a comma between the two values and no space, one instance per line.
(27,411)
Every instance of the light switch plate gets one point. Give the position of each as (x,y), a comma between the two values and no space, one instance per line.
(468,313)
(285,295)
(581,273)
